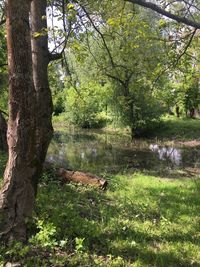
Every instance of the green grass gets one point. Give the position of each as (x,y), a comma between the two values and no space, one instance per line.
(180,129)
(140,221)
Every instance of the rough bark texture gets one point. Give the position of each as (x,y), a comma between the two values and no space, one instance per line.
(40,56)
(17,193)
(3,132)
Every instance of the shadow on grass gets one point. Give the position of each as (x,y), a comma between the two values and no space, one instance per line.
(159,230)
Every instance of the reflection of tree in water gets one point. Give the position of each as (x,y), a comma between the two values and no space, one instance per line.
(191,157)
(171,154)
(106,153)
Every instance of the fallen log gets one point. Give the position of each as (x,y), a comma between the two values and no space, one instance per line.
(84,178)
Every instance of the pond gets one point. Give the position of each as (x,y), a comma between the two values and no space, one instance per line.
(97,152)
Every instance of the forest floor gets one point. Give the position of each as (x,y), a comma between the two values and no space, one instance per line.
(141,220)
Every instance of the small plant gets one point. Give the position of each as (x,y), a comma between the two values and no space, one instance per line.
(16,251)
(79,247)
(46,236)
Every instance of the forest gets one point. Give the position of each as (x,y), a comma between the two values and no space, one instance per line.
(99,133)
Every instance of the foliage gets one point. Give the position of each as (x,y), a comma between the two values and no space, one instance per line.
(191,98)
(119,60)
(146,111)
(45,236)
(84,105)
(3,71)
(57,87)
(137,55)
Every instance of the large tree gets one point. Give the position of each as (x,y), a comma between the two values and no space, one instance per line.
(17,193)
(41,59)
(30,108)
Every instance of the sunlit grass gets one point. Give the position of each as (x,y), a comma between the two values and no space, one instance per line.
(182,129)
(140,221)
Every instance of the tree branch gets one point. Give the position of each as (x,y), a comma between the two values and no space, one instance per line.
(102,37)
(55,56)
(175,62)
(4,112)
(163,12)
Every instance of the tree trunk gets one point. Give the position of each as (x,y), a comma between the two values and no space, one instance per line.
(3,132)
(177,111)
(17,193)
(192,112)
(40,56)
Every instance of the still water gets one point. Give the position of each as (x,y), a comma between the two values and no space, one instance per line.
(97,152)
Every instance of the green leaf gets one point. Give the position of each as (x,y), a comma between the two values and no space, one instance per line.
(70,6)
(37,34)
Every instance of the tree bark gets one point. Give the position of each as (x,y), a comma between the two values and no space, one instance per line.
(40,56)
(17,194)
(3,132)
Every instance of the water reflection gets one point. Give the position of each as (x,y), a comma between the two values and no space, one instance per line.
(103,152)
(168,153)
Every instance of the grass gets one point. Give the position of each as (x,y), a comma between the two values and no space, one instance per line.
(179,129)
(140,221)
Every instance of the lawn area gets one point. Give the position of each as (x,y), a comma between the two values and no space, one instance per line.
(139,221)
(179,129)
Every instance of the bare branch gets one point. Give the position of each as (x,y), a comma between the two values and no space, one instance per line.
(4,112)
(174,63)
(163,12)
(55,56)
(102,37)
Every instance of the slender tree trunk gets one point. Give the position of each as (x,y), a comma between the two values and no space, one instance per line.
(17,194)
(41,58)
(177,111)
(192,113)
(3,132)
